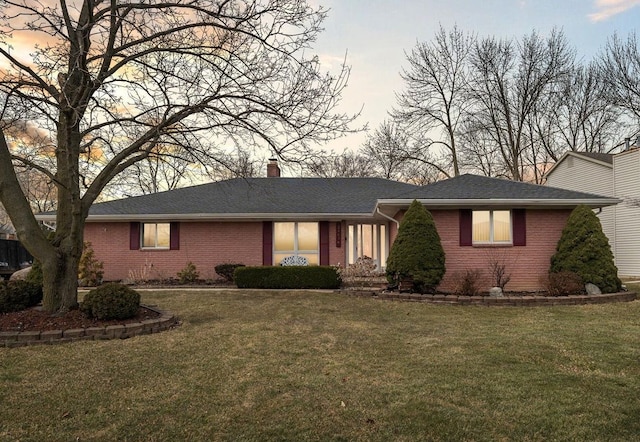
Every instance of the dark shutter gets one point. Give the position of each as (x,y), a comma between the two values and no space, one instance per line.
(174,236)
(519,227)
(324,243)
(466,227)
(134,236)
(267,243)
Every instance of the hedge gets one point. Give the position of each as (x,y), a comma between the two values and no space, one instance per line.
(287,277)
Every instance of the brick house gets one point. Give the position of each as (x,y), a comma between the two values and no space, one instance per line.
(332,221)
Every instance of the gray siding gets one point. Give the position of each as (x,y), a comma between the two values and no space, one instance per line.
(627,214)
(583,175)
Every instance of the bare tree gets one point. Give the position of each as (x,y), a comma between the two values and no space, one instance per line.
(112,81)
(510,83)
(346,164)
(620,64)
(434,102)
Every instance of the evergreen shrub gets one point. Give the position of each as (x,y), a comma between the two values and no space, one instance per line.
(90,270)
(227,270)
(417,252)
(189,274)
(35,274)
(111,301)
(287,277)
(19,295)
(584,249)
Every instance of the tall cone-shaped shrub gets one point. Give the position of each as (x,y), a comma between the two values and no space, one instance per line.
(417,252)
(584,249)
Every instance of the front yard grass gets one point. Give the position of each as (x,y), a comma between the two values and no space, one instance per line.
(277,365)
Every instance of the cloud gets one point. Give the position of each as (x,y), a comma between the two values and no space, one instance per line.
(606,9)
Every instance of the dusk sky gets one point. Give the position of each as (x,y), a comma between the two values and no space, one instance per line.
(376,33)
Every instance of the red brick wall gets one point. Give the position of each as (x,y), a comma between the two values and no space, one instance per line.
(526,264)
(205,244)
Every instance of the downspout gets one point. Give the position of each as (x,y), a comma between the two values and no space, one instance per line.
(387,217)
(397,228)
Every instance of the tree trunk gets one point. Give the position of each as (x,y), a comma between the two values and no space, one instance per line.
(60,282)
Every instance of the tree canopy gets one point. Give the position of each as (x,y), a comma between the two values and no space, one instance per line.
(108,85)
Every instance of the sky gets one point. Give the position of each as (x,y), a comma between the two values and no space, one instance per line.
(375,35)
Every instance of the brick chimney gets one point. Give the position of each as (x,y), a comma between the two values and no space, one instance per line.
(273,170)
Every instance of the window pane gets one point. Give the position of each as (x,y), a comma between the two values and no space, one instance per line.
(283,236)
(148,235)
(308,236)
(481,226)
(278,257)
(502,226)
(367,241)
(163,235)
(312,258)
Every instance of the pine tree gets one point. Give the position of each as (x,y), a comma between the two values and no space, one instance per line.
(417,251)
(584,249)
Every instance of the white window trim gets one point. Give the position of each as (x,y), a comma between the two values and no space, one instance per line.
(296,251)
(156,246)
(491,231)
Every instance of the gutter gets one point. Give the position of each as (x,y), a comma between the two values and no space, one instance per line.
(387,217)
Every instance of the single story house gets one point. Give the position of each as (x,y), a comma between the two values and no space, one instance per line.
(615,176)
(332,221)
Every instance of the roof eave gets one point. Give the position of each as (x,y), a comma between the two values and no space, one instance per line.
(156,217)
(497,202)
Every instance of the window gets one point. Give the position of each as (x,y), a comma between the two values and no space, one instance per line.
(295,239)
(367,240)
(156,235)
(492,227)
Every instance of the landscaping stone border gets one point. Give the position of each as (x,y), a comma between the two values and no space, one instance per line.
(166,321)
(491,301)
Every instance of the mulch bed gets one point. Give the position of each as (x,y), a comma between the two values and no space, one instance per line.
(34,319)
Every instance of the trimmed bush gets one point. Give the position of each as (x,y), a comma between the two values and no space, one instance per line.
(111,301)
(90,270)
(19,295)
(189,274)
(417,253)
(288,277)
(584,249)
(227,270)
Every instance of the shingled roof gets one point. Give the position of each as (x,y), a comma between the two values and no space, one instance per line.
(474,190)
(259,197)
(330,198)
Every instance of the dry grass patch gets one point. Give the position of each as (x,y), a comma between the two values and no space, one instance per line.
(268,365)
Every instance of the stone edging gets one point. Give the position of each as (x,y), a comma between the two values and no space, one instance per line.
(166,321)
(521,301)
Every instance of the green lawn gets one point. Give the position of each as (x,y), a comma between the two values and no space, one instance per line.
(323,366)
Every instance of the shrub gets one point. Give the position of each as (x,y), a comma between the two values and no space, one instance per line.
(499,273)
(288,277)
(19,295)
(584,249)
(90,270)
(189,274)
(111,301)
(564,283)
(467,283)
(35,274)
(227,270)
(417,252)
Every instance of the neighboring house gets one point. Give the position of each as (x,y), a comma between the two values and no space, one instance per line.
(614,176)
(7,232)
(332,221)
